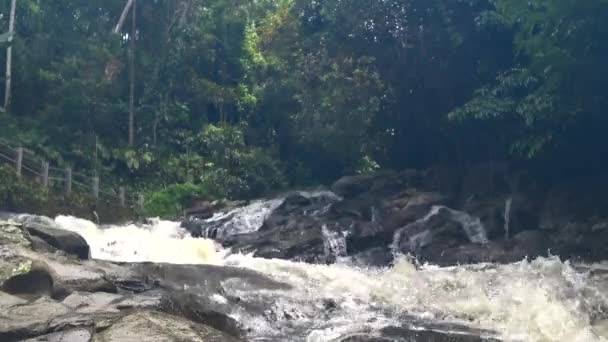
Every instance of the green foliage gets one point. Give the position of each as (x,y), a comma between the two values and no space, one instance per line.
(17,194)
(560,82)
(171,201)
(234,169)
(293,92)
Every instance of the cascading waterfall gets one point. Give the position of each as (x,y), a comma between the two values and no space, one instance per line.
(241,220)
(545,300)
(334,243)
(250,218)
(419,236)
(472,226)
(507,217)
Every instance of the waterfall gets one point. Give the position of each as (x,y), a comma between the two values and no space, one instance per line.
(472,226)
(250,218)
(334,243)
(545,300)
(247,219)
(375,214)
(420,236)
(507,217)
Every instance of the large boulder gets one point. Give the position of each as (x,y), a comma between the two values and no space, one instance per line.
(351,186)
(69,242)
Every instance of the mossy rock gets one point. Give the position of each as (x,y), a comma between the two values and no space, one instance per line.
(12,234)
(21,275)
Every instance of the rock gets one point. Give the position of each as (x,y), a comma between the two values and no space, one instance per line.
(23,321)
(69,242)
(464,254)
(76,335)
(22,275)
(72,274)
(12,234)
(351,186)
(295,200)
(200,209)
(374,257)
(87,302)
(7,300)
(402,334)
(158,327)
(531,244)
(36,281)
(201,309)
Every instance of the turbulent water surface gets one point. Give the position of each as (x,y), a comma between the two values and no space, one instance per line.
(540,300)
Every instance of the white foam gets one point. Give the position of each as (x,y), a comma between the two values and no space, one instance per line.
(161,241)
(545,300)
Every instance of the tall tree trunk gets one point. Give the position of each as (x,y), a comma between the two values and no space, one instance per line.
(9,58)
(132,77)
(123,16)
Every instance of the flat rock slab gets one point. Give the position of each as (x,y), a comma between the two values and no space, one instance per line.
(22,321)
(158,327)
(76,335)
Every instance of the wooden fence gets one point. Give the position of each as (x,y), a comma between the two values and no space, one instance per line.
(26,164)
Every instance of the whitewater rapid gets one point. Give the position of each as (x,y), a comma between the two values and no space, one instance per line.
(540,300)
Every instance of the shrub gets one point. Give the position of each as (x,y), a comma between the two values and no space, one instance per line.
(19,194)
(171,201)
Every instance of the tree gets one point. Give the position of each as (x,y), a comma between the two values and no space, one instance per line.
(9,57)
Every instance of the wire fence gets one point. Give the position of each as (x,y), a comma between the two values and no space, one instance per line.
(26,164)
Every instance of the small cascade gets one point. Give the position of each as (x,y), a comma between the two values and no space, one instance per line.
(334,243)
(472,226)
(508,204)
(375,214)
(241,220)
(251,218)
(418,235)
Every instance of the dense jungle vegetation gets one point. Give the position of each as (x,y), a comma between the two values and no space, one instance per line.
(237,98)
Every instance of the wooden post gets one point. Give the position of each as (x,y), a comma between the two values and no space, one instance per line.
(96,187)
(19,161)
(68,181)
(121,194)
(45,174)
(140,202)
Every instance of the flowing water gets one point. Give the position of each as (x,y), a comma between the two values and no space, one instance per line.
(541,300)
(507,218)
(416,234)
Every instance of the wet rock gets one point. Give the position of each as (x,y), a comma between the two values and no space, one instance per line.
(200,209)
(351,186)
(374,257)
(465,254)
(69,242)
(202,309)
(157,327)
(531,244)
